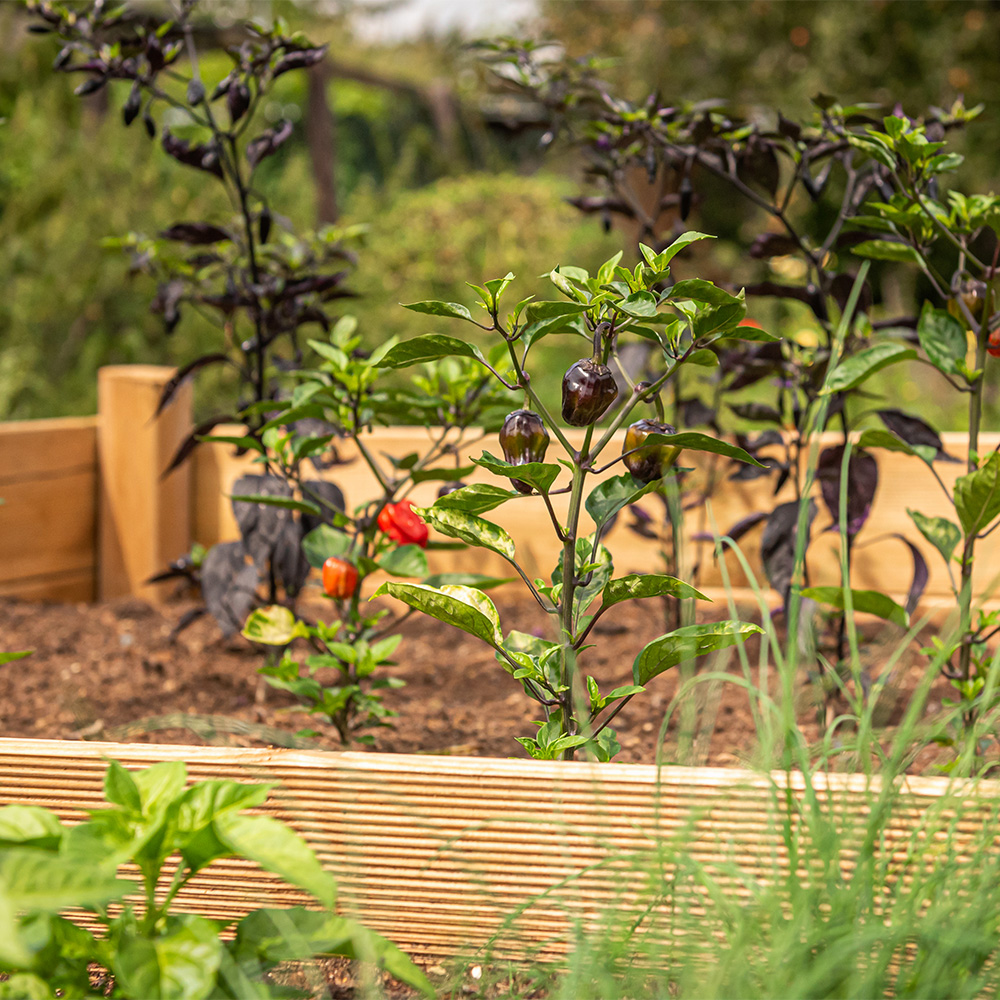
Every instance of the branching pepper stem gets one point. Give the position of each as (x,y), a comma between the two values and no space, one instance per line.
(611,716)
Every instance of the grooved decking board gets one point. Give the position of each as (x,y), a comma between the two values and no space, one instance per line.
(443,853)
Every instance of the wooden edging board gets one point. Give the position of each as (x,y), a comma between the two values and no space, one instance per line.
(48,514)
(881,559)
(463,856)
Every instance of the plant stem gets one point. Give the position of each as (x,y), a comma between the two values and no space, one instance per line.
(969,548)
(567,600)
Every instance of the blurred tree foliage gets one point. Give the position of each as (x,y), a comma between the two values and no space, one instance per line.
(425,244)
(776,54)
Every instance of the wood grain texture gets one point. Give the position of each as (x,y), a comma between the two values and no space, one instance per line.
(47,531)
(144,517)
(48,517)
(33,449)
(452,855)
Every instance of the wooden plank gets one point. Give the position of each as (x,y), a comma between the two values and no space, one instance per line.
(47,529)
(144,517)
(882,560)
(32,449)
(443,853)
(65,586)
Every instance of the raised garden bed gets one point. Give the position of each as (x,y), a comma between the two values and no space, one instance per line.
(459,856)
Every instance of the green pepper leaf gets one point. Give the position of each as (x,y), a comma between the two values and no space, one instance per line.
(429,348)
(977,496)
(664,257)
(286,503)
(943,534)
(868,601)
(273,626)
(464,607)
(943,338)
(694,441)
(860,366)
(477,580)
(437,307)
(539,475)
(701,290)
(613,494)
(638,305)
(686,643)
(886,250)
(323,542)
(475,499)
(406,560)
(469,528)
(639,585)
(875,437)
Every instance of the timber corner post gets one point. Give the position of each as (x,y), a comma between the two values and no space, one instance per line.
(144,517)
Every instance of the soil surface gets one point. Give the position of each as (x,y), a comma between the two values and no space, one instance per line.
(115,671)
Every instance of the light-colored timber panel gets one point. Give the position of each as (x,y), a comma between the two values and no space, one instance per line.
(881,560)
(144,516)
(48,518)
(442,854)
(61,587)
(31,449)
(47,536)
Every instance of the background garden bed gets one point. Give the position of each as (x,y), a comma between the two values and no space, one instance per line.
(88,513)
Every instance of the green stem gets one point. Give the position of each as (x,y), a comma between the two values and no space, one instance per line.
(969,548)
(525,382)
(567,599)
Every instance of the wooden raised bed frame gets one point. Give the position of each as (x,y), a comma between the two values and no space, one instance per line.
(88,515)
(444,855)
(462,856)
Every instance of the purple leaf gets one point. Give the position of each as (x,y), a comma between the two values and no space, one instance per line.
(229,582)
(268,142)
(914,432)
(178,379)
(862,480)
(302,59)
(777,547)
(196,233)
(920,574)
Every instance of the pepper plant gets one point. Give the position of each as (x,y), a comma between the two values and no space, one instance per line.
(807,188)
(340,680)
(953,239)
(248,272)
(687,322)
(145,947)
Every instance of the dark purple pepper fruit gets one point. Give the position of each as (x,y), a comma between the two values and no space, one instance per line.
(523,438)
(651,462)
(588,389)
(450,487)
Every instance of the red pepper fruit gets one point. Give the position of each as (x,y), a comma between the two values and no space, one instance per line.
(340,577)
(402,525)
(993,344)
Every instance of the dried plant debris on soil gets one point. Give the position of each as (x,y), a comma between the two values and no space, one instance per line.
(114,671)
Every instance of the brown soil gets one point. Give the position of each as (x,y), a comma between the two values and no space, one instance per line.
(112,671)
